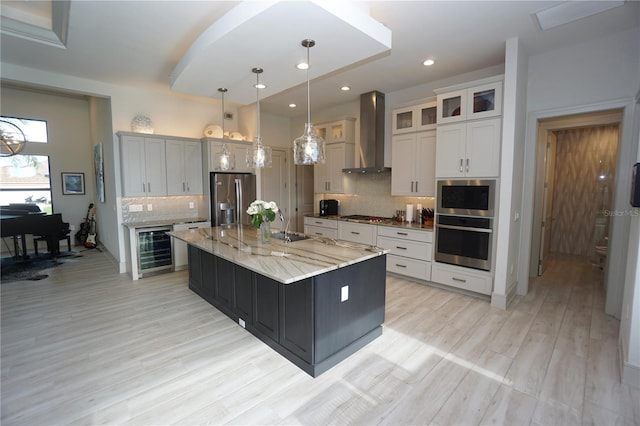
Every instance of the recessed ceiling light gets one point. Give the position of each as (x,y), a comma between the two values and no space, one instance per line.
(302,66)
(292,105)
(428,62)
(345,88)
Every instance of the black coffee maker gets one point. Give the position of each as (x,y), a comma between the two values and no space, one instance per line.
(329,207)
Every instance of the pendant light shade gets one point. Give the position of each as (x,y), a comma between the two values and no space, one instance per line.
(258,155)
(225,160)
(308,149)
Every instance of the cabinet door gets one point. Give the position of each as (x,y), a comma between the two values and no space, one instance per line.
(335,163)
(195,270)
(483,148)
(425,168)
(403,120)
(452,107)
(403,164)
(243,293)
(450,150)
(155,167)
(208,263)
(174,151)
(484,101)
(320,183)
(193,167)
(266,307)
(426,116)
(224,282)
(296,318)
(134,182)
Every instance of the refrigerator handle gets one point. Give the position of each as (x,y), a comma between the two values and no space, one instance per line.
(239,202)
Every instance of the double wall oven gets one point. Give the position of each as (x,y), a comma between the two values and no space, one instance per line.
(464,223)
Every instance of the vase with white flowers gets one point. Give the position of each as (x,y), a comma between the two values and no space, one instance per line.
(262,214)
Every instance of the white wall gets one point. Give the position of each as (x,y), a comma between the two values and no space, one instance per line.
(630,321)
(172,114)
(595,75)
(512,164)
(69,148)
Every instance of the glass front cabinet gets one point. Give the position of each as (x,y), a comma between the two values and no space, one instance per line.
(415,118)
(481,101)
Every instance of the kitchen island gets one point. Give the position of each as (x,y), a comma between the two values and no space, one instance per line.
(315,301)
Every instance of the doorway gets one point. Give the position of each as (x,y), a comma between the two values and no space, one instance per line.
(577,157)
(275,184)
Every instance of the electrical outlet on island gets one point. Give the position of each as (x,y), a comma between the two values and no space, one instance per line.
(149,207)
(191,204)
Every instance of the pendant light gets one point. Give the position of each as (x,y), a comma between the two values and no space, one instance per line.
(225,160)
(258,155)
(308,149)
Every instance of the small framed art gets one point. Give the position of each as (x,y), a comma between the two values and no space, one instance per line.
(72,183)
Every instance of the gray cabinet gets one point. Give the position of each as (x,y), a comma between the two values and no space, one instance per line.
(184,167)
(142,162)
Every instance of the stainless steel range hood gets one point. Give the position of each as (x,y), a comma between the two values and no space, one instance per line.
(371,152)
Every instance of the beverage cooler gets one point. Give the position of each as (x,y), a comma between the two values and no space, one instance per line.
(154,250)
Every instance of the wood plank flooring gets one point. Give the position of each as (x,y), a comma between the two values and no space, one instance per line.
(89,346)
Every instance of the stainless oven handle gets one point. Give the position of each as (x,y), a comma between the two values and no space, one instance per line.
(465,228)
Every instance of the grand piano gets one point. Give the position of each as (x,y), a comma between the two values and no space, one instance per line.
(19,220)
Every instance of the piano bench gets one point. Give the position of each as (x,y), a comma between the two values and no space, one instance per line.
(44,238)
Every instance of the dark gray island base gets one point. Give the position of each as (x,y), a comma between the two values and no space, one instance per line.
(306,322)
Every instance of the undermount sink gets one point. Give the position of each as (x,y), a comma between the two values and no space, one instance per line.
(290,236)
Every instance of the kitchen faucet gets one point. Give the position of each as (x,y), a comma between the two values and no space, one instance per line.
(286,228)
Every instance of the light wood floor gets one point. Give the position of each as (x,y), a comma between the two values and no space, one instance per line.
(90,346)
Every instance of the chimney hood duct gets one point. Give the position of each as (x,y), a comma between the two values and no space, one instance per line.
(371,151)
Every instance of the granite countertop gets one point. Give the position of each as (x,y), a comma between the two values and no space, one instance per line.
(286,263)
(165,222)
(388,222)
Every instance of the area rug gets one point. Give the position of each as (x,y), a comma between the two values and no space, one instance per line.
(32,269)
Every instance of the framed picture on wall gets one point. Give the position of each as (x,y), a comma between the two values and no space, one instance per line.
(72,183)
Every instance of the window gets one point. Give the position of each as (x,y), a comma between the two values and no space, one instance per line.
(25,178)
(34,130)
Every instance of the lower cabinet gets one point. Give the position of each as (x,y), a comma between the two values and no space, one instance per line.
(410,253)
(314,323)
(361,233)
(267,307)
(463,278)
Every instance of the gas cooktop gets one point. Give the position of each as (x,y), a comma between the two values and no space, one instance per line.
(366,218)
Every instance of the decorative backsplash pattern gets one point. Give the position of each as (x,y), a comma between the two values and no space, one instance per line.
(584,185)
(371,197)
(163,208)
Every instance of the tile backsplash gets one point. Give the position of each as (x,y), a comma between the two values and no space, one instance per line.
(372,196)
(136,209)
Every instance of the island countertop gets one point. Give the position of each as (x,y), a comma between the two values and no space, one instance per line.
(283,262)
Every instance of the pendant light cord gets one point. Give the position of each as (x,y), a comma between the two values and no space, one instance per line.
(308,91)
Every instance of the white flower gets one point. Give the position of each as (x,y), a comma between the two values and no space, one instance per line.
(272,205)
(259,206)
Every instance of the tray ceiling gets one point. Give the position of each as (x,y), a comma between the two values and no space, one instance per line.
(269,35)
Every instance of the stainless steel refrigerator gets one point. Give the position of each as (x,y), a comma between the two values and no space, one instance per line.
(231,194)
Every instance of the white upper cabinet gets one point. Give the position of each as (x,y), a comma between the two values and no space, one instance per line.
(337,131)
(414,118)
(184,167)
(413,164)
(481,101)
(328,177)
(470,149)
(143,166)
